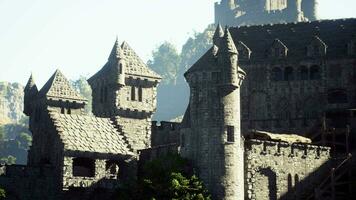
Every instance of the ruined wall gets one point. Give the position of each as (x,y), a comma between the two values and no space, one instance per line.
(276,170)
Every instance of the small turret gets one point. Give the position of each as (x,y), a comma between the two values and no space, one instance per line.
(228,59)
(218,35)
(31,92)
(116,59)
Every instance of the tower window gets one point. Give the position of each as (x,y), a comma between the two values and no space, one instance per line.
(133,93)
(315,72)
(288,74)
(303,73)
(140,94)
(277,74)
(230,133)
(62,110)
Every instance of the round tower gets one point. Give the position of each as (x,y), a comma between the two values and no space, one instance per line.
(210,134)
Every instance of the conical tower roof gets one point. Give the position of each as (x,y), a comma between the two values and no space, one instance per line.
(227,44)
(59,88)
(115,52)
(31,85)
(219,32)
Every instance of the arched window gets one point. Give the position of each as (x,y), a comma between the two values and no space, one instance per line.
(337,97)
(288,74)
(303,73)
(296,180)
(277,74)
(290,184)
(314,72)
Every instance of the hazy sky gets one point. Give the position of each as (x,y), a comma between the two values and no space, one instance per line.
(76,36)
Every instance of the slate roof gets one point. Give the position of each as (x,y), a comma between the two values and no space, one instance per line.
(133,63)
(336,34)
(59,88)
(83,133)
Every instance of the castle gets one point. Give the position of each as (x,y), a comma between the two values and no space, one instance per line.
(257,12)
(80,156)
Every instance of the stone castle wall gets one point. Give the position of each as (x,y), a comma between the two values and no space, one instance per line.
(278,170)
(165,133)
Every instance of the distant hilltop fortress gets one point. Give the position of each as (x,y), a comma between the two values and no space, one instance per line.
(257,12)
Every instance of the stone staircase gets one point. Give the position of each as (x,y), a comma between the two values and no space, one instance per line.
(122,134)
(340,182)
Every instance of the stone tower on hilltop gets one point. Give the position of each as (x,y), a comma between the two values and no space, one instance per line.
(125,90)
(256,12)
(210,134)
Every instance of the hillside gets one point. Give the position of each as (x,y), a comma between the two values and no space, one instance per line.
(11,102)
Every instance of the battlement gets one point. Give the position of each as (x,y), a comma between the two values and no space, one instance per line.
(276,148)
(165,133)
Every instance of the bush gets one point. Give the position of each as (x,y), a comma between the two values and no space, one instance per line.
(2,194)
(169,177)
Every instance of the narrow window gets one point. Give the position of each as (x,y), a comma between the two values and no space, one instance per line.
(303,73)
(230,134)
(69,111)
(140,94)
(288,74)
(133,93)
(83,167)
(277,74)
(120,68)
(315,72)
(296,181)
(290,184)
(62,110)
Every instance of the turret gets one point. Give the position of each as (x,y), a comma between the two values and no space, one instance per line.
(295,13)
(210,133)
(30,93)
(309,8)
(228,58)
(218,35)
(125,90)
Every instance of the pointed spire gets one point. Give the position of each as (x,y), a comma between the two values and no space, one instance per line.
(228,45)
(31,85)
(115,52)
(219,33)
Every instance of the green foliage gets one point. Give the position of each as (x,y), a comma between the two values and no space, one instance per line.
(9,160)
(2,194)
(195,47)
(83,87)
(24,140)
(2,134)
(166,62)
(169,177)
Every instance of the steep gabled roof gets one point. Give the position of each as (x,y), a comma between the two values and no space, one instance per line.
(134,64)
(59,88)
(81,133)
(205,63)
(31,86)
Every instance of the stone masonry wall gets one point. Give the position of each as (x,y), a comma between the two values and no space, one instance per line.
(276,170)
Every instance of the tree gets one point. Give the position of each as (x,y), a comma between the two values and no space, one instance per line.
(2,134)
(25,140)
(165,61)
(168,177)
(83,87)
(2,194)
(9,160)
